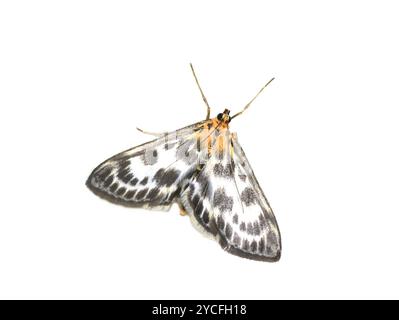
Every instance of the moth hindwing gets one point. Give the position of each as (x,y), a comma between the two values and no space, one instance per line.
(204,170)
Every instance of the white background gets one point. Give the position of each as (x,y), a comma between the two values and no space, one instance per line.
(77,77)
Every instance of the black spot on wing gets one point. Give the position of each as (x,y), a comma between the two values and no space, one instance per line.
(243,177)
(205,216)
(248,196)
(261,245)
(220,223)
(191,190)
(235,218)
(223,171)
(222,201)
(206,187)
(202,178)
(158,175)
(121,191)
(166,178)
(113,187)
(256,229)
(124,173)
(130,194)
(197,206)
(173,194)
(242,226)
(186,151)
(153,193)
(150,157)
(169,145)
(144,181)
(198,209)
(134,181)
(218,169)
(254,246)
(108,181)
(236,239)
(141,194)
(195,201)
(262,222)
(245,245)
(228,232)
(212,227)
(250,228)
(104,173)
(126,178)
(198,144)
(124,164)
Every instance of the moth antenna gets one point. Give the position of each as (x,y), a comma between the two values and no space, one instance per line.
(252,100)
(208,108)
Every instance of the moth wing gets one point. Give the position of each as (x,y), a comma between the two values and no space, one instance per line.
(150,174)
(257,211)
(225,201)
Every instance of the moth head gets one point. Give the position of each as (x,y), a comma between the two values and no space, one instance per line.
(224,117)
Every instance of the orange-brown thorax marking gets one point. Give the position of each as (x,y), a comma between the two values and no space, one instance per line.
(208,128)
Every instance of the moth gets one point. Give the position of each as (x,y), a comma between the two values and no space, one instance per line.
(203,169)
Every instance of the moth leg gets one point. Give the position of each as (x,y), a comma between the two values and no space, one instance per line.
(151,133)
(182,211)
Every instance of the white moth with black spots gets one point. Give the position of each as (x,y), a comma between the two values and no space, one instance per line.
(203,169)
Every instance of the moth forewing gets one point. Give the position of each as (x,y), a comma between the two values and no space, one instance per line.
(225,202)
(148,175)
